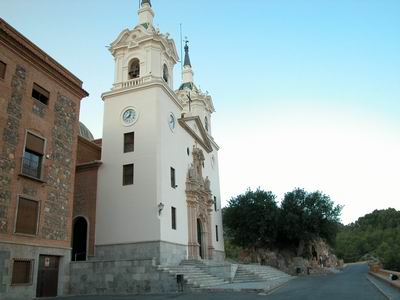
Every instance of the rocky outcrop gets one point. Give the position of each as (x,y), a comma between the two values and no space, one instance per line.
(317,258)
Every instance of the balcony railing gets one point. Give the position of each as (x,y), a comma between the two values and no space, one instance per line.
(131,83)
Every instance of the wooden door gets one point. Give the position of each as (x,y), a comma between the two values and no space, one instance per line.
(47,282)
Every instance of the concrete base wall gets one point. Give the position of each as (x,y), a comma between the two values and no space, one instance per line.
(218,256)
(110,277)
(163,252)
(9,252)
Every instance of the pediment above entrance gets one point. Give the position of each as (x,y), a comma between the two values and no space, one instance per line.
(195,128)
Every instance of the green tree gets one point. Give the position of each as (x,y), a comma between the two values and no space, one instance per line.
(251,219)
(376,234)
(306,216)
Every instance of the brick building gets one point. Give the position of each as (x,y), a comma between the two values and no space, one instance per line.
(84,213)
(39,112)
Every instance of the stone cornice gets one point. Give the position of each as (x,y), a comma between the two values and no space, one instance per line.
(89,143)
(21,46)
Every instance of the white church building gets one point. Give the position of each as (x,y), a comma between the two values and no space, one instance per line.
(158,191)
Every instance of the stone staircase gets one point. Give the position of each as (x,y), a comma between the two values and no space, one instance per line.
(242,275)
(251,273)
(198,274)
(194,273)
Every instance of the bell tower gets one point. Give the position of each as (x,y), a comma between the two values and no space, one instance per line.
(137,110)
(143,54)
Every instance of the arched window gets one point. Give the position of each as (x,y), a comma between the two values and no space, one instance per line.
(134,69)
(165,73)
(206,123)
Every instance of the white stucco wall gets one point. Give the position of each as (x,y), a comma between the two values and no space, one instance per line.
(129,213)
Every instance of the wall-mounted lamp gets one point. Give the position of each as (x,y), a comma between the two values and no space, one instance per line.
(160,208)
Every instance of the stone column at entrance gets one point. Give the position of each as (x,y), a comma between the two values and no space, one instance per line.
(192,230)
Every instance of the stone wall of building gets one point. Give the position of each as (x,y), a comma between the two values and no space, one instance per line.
(164,253)
(88,151)
(4,270)
(28,291)
(119,277)
(60,176)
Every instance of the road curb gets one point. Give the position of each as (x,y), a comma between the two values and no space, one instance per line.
(378,288)
(266,291)
(384,280)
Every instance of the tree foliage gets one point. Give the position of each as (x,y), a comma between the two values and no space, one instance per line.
(251,219)
(307,216)
(376,234)
(254,219)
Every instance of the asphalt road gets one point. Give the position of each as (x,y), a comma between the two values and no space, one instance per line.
(351,284)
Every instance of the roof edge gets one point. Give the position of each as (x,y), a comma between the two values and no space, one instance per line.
(28,50)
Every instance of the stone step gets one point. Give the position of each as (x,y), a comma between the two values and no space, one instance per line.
(194,273)
(247,273)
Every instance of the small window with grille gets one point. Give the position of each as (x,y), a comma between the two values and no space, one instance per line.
(22,271)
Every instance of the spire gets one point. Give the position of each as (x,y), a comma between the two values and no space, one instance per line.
(187,58)
(146,1)
(187,73)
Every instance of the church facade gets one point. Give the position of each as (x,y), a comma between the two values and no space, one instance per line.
(158,184)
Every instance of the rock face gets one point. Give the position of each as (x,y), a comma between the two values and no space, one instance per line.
(317,258)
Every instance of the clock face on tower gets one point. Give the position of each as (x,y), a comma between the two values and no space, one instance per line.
(171,121)
(129,116)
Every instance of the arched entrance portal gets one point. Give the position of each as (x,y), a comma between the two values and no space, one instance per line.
(199,203)
(79,239)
